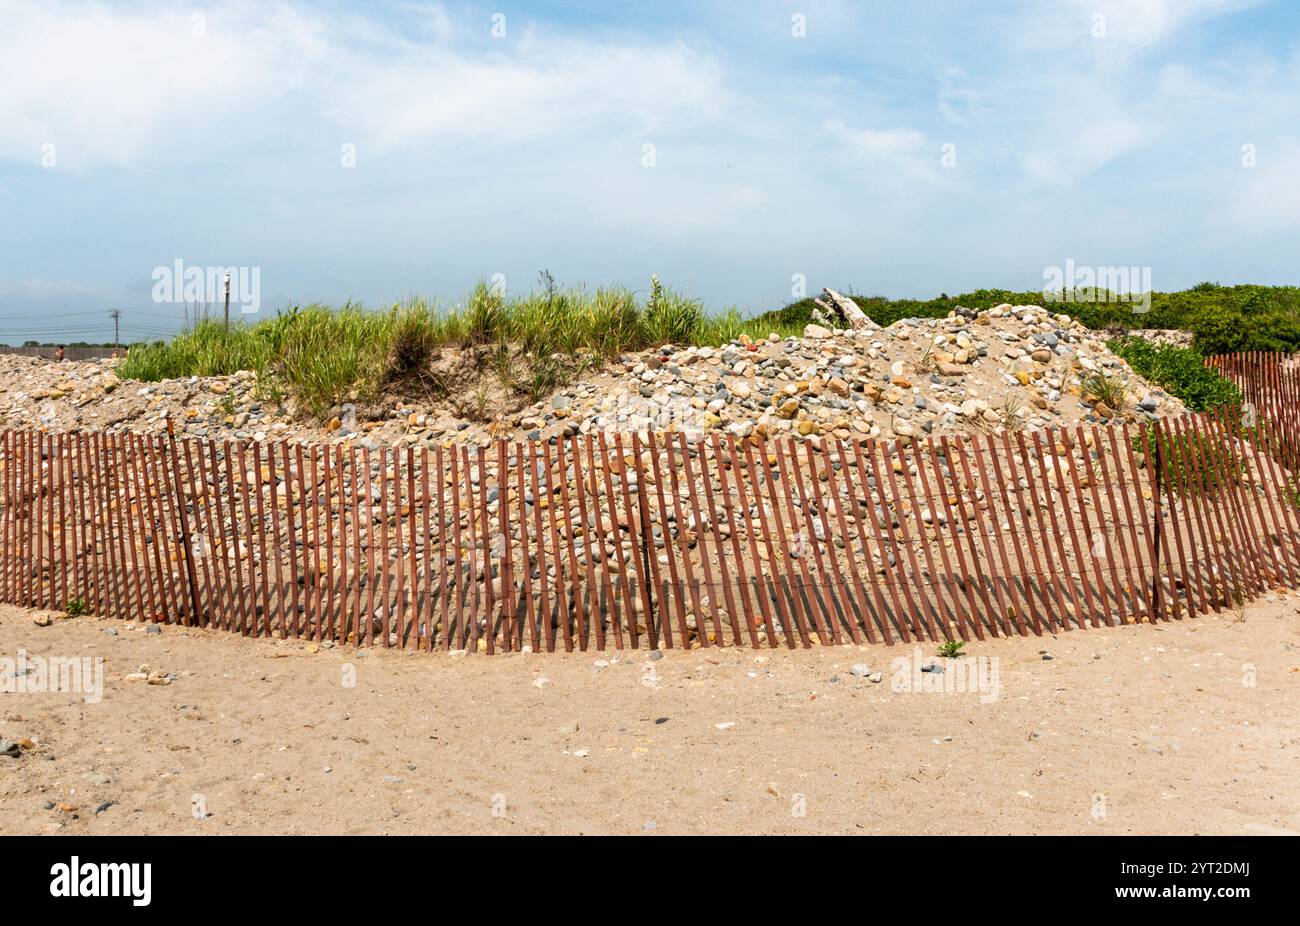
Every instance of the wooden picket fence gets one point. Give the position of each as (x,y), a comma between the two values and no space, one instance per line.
(658,540)
(1270,387)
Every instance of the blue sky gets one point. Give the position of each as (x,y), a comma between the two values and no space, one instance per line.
(136,134)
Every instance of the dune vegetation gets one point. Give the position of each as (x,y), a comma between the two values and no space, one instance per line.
(321,355)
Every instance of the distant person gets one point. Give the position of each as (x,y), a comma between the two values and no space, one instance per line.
(58,354)
(114,357)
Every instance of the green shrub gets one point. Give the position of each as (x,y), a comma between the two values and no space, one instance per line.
(1180,371)
(1218,330)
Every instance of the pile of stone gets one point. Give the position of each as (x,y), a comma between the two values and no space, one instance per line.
(1011,367)
(1173,337)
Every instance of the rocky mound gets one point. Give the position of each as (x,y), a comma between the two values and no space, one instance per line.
(1010,367)
(1018,367)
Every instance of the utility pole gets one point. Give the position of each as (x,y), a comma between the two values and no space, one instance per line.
(116,315)
(227,302)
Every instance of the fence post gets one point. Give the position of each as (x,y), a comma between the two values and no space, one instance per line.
(1159,466)
(647,539)
(190,578)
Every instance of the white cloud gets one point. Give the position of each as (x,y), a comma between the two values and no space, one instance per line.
(958,101)
(539,89)
(877,144)
(1116,27)
(1083,149)
(529,147)
(111,85)
(133,86)
(1264,199)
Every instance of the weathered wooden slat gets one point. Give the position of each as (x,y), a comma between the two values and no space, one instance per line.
(710,597)
(561,612)
(932,616)
(601,535)
(1131,601)
(1172,479)
(677,596)
(830,582)
(1090,541)
(806,589)
(635,527)
(575,594)
(525,553)
(777,599)
(1073,609)
(1030,540)
(536,462)
(744,613)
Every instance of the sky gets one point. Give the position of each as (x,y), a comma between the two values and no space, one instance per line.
(738,150)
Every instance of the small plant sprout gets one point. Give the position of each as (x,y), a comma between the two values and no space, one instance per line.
(1112,390)
(1010,411)
(927,363)
(951,649)
(76,607)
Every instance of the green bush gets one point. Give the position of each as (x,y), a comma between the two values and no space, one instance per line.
(1180,371)
(1218,329)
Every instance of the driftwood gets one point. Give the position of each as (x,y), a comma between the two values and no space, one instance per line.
(844,308)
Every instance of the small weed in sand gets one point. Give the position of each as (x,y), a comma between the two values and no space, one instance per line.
(1009,412)
(1111,390)
(926,363)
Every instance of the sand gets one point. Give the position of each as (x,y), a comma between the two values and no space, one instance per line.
(1130,730)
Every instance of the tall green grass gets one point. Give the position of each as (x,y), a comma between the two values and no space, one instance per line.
(323,356)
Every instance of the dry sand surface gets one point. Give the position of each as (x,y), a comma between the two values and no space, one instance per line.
(1152,725)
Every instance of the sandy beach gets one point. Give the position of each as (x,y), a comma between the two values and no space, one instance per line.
(1188,727)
